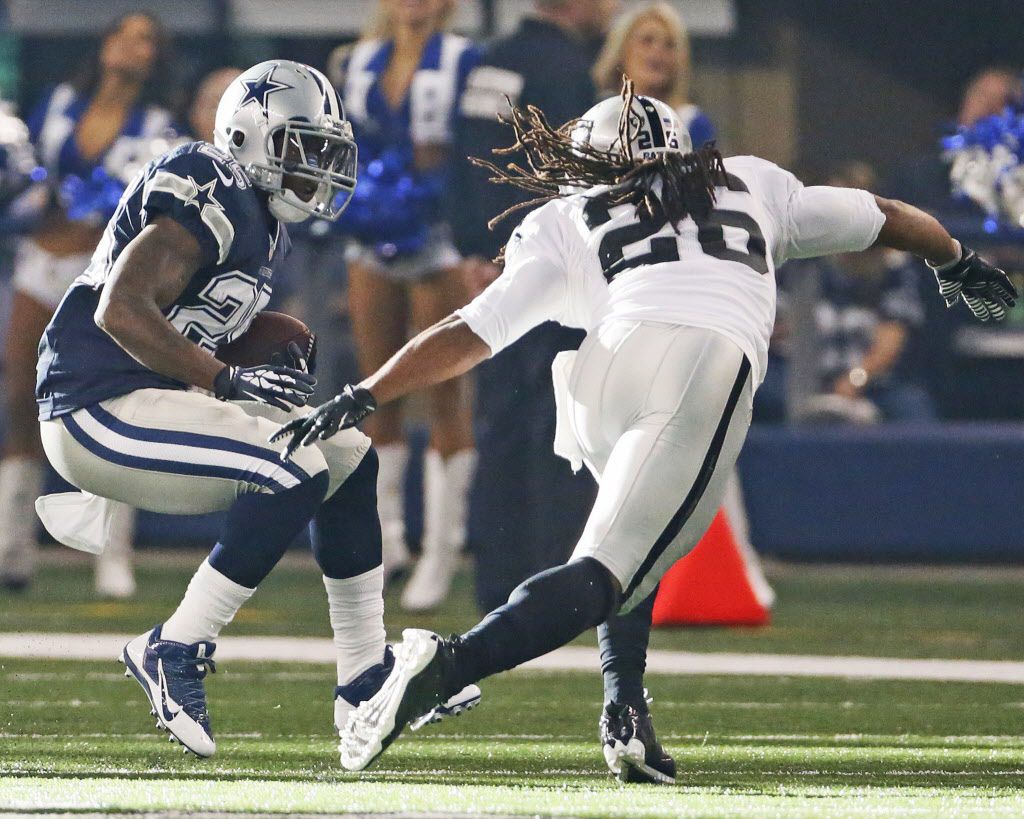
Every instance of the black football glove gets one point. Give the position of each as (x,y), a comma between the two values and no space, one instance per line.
(985,289)
(281,387)
(345,410)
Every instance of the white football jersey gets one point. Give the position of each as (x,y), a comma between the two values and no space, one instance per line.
(580,263)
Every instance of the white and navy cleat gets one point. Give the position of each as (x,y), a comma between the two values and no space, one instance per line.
(171,674)
(413,689)
(348,697)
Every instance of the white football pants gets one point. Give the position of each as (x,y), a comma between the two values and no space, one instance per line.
(183,452)
(660,413)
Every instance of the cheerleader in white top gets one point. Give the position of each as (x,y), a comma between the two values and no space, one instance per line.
(88,133)
(400,86)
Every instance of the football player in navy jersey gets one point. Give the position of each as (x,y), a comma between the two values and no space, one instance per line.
(135,407)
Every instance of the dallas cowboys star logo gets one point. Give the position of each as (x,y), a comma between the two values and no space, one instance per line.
(202,195)
(259,89)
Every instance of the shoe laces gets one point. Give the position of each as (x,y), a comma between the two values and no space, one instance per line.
(185,672)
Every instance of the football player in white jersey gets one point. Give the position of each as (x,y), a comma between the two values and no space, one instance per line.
(666,257)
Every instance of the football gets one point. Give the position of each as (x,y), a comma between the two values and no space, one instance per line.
(266,342)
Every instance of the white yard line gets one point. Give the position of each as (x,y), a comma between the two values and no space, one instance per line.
(572,658)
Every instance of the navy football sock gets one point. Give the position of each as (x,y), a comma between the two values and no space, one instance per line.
(346,530)
(260,527)
(623,639)
(544,613)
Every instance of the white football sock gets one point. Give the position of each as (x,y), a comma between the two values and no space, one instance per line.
(356,606)
(114,575)
(443,498)
(21,482)
(445,489)
(459,471)
(435,487)
(392,459)
(122,530)
(209,604)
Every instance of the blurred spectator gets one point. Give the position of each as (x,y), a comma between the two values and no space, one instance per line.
(988,93)
(868,310)
(202,112)
(401,84)
(86,132)
(924,180)
(527,507)
(651,45)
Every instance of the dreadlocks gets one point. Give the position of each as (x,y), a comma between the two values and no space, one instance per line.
(554,163)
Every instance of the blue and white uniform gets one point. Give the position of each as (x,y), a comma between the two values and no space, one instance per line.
(394,218)
(206,192)
(115,428)
(52,126)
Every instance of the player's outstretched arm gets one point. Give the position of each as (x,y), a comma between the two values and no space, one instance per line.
(911,229)
(150,274)
(960,272)
(446,350)
(822,220)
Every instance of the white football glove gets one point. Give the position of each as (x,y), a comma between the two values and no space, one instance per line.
(281,387)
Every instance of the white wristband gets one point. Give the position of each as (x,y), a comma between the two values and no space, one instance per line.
(942,268)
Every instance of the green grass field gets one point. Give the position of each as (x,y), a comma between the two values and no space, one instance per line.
(77,736)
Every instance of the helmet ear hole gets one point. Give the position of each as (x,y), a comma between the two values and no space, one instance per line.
(237,138)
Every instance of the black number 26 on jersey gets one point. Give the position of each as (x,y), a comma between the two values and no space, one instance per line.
(710,234)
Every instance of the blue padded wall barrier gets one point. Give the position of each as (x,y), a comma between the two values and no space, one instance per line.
(934,492)
(931,493)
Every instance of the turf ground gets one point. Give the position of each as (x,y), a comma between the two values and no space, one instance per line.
(77,737)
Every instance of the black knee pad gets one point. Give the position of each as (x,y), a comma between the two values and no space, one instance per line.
(567,583)
(259,527)
(346,530)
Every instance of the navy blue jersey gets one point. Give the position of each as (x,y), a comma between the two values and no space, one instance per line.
(396,202)
(53,122)
(538,64)
(206,192)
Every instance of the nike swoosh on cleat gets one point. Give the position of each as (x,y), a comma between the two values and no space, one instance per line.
(165,698)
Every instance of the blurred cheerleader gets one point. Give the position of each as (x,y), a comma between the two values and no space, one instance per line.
(401,85)
(86,133)
(651,45)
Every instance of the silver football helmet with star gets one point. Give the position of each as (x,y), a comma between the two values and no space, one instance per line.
(653,128)
(284,119)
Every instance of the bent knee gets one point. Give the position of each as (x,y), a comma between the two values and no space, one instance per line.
(344,453)
(305,464)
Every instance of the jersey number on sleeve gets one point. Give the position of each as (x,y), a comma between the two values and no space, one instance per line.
(710,234)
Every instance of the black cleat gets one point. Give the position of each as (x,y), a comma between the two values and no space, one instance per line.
(416,686)
(631,748)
